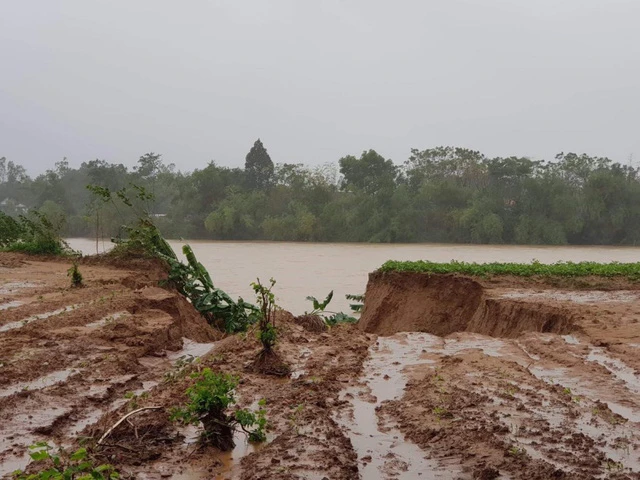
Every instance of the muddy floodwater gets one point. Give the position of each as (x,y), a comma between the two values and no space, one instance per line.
(303,269)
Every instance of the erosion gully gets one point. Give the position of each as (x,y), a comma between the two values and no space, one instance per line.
(413,412)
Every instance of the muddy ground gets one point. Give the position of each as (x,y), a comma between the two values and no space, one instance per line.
(445,377)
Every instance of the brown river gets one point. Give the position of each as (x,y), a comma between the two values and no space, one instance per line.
(303,269)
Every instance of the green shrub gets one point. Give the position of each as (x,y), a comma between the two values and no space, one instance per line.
(34,234)
(60,466)
(319,308)
(76,276)
(208,401)
(10,230)
(267,321)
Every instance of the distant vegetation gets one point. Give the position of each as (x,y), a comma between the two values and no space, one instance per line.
(442,194)
(560,269)
(34,233)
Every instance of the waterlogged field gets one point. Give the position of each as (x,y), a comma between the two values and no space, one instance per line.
(482,375)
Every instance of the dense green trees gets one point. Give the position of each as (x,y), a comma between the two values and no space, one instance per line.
(258,167)
(443,194)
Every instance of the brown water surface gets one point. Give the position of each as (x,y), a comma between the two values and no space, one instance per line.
(303,269)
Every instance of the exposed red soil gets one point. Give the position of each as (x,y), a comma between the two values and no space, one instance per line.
(500,391)
(534,405)
(90,364)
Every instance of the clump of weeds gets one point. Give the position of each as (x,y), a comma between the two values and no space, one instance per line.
(62,465)
(516,451)
(76,276)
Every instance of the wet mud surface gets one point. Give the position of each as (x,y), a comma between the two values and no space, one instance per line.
(445,379)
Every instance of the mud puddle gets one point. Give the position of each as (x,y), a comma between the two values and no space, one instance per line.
(190,351)
(167,366)
(580,297)
(8,305)
(39,383)
(617,367)
(107,319)
(14,287)
(382,450)
(35,318)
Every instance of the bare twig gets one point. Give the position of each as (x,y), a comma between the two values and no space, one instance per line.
(118,446)
(108,432)
(135,429)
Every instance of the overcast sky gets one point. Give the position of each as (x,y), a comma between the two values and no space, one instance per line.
(200,80)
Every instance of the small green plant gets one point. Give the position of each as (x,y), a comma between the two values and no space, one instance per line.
(267,323)
(294,418)
(516,451)
(61,466)
(356,307)
(318,306)
(268,361)
(257,420)
(440,412)
(208,400)
(511,391)
(76,276)
(613,466)
(335,317)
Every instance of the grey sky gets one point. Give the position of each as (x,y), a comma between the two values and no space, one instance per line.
(200,80)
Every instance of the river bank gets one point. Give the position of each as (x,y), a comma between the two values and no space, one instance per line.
(445,377)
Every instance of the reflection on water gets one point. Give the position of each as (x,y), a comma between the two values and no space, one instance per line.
(303,269)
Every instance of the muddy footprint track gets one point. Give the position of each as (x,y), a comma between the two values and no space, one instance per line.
(445,377)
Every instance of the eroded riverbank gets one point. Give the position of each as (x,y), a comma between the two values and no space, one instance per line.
(498,378)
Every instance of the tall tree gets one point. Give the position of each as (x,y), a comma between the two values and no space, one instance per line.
(370,173)
(258,167)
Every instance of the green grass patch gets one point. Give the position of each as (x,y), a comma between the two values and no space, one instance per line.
(535,268)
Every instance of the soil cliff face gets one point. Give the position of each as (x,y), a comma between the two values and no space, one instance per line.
(444,304)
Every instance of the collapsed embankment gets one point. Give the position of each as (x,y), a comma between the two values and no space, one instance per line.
(73,361)
(492,378)
(522,378)
(444,304)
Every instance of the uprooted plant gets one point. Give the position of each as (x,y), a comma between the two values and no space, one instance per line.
(209,400)
(64,466)
(219,309)
(268,361)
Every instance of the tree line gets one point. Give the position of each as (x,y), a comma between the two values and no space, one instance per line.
(443,194)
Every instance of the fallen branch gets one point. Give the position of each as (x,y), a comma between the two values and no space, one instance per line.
(118,446)
(108,432)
